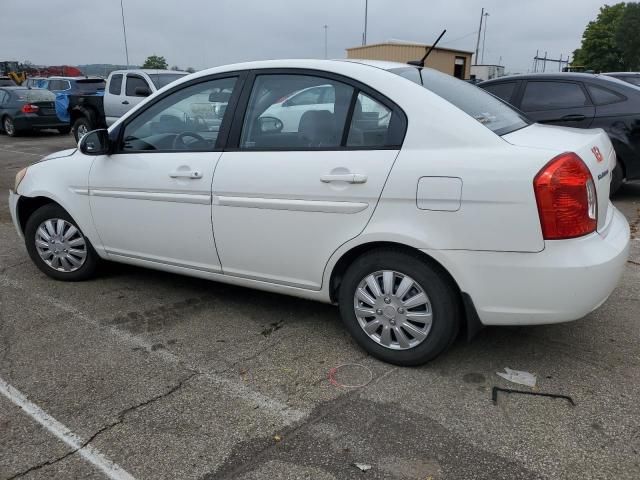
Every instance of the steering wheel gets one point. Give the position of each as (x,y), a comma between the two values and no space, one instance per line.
(180,140)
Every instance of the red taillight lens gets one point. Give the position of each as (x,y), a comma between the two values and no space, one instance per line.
(566,198)
(28,108)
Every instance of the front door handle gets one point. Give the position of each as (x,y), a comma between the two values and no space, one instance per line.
(126,102)
(194,174)
(344,177)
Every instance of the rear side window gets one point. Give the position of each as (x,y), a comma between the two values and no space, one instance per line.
(502,90)
(540,96)
(115,84)
(475,102)
(632,80)
(369,124)
(133,83)
(603,96)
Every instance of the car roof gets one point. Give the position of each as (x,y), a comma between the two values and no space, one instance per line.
(81,77)
(150,70)
(601,78)
(623,74)
(383,64)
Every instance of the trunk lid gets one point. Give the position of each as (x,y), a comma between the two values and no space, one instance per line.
(592,146)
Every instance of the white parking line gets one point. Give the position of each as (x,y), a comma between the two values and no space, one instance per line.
(24,153)
(90,454)
(227,386)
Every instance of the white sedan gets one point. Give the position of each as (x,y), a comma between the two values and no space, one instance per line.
(418,203)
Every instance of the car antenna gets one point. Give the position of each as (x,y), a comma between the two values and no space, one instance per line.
(420,63)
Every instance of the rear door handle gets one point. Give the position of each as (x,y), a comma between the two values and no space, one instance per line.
(573,118)
(344,177)
(126,102)
(194,174)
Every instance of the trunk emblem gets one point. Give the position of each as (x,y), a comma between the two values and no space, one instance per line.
(596,153)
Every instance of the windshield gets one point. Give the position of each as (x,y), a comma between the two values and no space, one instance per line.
(484,107)
(90,85)
(162,79)
(35,95)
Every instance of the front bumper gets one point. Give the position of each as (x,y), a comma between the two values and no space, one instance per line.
(13,209)
(564,282)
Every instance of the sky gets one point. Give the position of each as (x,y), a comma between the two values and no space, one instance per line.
(207,33)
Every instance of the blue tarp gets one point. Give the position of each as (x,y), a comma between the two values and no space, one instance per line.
(62,105)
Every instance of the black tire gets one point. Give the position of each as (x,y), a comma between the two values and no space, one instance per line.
(49,212)
(9,127)
(443,296)
(80,124)
(64,130)
(617,179)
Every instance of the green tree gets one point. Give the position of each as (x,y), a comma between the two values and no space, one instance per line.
(600,49)
(156,62)
(628,37)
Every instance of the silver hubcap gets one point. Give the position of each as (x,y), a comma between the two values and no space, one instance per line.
(61,245)
(8,126)
(393,310)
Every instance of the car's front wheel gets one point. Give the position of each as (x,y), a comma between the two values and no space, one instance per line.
(399,307)
(57,245)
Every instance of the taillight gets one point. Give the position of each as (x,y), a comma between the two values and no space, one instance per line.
(28,108)
(566,197)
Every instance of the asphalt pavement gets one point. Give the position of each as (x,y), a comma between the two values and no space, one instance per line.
(140,374)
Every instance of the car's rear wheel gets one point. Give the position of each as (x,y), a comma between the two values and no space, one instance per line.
(398,307)
(81,127)
(8,126)
(57,245)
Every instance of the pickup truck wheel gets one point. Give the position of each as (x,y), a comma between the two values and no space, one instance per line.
(64,130)
(81,127)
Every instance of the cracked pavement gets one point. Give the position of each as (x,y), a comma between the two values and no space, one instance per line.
(173,377)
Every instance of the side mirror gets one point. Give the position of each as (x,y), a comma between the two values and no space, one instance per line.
(270,125)
(142,91)
(95,142)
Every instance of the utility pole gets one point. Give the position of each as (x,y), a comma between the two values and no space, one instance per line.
(326,27)
(484,38)
(479,32)
(364,34)
(124,31)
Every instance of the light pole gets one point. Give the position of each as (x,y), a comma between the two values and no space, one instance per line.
(479,33)
(484,38)
(326,27)
(364,34)
(124,31)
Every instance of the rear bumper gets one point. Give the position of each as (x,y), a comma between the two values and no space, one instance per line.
(13,209)
(564,282)
(38,122)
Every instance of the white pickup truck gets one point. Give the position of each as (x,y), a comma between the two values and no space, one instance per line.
(124,90)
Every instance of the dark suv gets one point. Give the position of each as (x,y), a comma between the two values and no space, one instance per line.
(581,100)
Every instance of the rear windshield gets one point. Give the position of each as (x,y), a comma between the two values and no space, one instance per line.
(90,85)
(162,79)
(485,108)
(35,95)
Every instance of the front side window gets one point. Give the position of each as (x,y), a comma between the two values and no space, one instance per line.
(188,119)
(475,102)
(133,83)
(541,96)
(296,112)
(115,84)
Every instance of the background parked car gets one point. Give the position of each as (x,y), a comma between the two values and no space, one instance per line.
(23,109)
(6,82)
(630,77)
(124,89)
(581,100)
